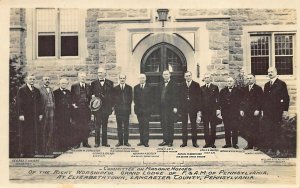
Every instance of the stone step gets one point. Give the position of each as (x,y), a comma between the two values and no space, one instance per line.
(160,136)
(157,129)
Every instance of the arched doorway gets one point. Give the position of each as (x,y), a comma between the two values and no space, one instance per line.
(160,57)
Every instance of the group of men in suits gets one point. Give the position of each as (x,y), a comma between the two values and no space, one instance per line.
(57,120)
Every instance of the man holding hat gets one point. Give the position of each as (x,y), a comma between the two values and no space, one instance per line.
(101,105)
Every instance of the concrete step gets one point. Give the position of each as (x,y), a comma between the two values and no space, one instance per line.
(160,135)
(155,131)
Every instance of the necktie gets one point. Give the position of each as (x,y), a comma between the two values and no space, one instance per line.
(142,86)
(271,83)
(31,88)
(207,86)
(250,87)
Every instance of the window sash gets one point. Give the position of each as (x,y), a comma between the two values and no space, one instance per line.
(286,54)
(65,26)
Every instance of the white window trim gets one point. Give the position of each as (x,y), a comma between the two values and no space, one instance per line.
(57,57)
(273,29)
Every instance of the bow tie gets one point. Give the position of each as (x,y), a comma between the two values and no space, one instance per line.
(230,87)
(101,80)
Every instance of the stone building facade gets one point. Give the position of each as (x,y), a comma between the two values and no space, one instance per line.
(131,41)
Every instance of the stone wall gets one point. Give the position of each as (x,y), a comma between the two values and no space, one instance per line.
(17,34)
(225,28)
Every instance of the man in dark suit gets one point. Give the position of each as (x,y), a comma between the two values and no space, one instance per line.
(102,88)
(190,106)
(251,110)
(63,104)
(48,107)
(122,95)
(143,106)
(30,114)
(275,107)
(168,108)
(81,96)
(230,110)
(210,110)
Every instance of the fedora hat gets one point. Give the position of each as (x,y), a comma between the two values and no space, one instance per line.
(95,104)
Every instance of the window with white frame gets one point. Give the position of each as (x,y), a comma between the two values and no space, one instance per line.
(272,49)
(57,32)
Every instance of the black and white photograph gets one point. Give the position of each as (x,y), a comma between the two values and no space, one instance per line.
(193,92)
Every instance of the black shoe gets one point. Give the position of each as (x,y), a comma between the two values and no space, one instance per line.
(163,144)
(235,146)
(127,144)
(170,145)
(118,144)
(140,144)
(213,146)
(196,145)
(106,145)
(96,145)
(146,145)
(86,146)
(206,146)
(183,145)
(247,147)
(226,146)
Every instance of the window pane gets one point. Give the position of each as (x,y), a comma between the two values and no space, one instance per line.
(173,61)
(46,45)
(69,45)
(284,54)
(260,54)
(69,20)
(284,65)
(46,20)
(259,65)
(153,61)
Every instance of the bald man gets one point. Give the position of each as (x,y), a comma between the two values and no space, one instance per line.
(230,100)
(30,115)
(143,106)
(81,96)
(275,107)
(102,88)
(63,104)
(169,104)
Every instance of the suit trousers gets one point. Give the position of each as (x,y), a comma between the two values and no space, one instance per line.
(123,131)
(209,118)
(231,130)
(251,130)
(272,133)
(193,117)
(101,120)
(167,124)
(144,127)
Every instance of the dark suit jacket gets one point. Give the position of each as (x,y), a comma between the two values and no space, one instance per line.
(252,100)
(63,104)
(29,102)
(75,93)
(209,98)
(104,93)
(171,96)
(194,97)
(122,103)
(276,99)
(230,102)
(143,99)
(44,96)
